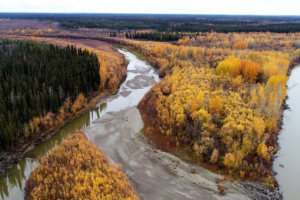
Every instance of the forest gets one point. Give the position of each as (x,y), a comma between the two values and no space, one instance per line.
(156,36)
(174,23)
(39,80)
(92,177)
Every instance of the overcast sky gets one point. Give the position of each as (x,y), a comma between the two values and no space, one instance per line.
(244,7)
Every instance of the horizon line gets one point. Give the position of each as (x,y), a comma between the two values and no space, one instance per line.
(67,13)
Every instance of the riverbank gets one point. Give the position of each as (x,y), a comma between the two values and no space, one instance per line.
(154,174)
(9,159)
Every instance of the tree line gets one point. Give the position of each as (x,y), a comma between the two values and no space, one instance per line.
(163,22)
(36,79)
(222,28)
(156,36)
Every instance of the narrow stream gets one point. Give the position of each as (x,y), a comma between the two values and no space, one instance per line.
(287,163)
(140,77)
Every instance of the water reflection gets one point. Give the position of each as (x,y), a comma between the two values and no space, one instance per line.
(103,107)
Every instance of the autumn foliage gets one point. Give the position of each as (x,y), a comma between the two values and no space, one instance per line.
(226,127)
(216,97)
(77,169)
(240,45)
(235,67)
(227,112)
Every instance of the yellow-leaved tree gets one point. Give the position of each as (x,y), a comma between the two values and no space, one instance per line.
(216,105)
(262,151)
(229,160)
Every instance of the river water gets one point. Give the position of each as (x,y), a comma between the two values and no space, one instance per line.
(140,77)
(287,163)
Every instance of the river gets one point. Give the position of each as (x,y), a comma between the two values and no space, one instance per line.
(287,163)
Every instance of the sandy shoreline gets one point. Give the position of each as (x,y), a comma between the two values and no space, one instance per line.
(153,173)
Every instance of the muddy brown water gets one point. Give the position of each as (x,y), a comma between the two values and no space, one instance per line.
(140,77)
(287,164)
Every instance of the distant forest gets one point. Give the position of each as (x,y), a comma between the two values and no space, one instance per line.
(159,36)
(36,79)
(172,23)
